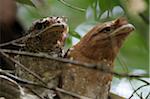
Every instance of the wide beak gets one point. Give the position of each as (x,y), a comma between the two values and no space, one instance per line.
(58,27)
(123,30)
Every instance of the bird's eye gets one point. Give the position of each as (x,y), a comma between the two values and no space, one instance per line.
(39,26)
(105,30)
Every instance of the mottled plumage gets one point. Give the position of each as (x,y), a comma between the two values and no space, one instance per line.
(46,36)
(99,46)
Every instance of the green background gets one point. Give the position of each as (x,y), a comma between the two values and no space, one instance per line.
(84,14)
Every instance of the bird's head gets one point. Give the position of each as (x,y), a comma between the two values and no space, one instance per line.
(105,40)
(50,33)
(53,26)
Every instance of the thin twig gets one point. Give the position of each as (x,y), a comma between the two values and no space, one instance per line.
(147,96)
(27,36)
(125,67)
(14,41)
(100,67)
(32,91)
(141,95)
(71,93)
(137,90)
(18,80)
(17,44)
(26,82)
(22,66)
(73,7)
(146,82)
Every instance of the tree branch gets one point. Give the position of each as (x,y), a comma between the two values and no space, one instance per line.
(100,67)
(26,82)
(22,66)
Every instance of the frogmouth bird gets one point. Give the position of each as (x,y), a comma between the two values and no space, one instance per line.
(99,46)
(46,36)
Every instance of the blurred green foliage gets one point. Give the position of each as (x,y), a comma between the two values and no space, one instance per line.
(28,2)
(84,14)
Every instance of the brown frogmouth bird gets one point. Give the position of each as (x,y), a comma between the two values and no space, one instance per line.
(99,46)
(46,36)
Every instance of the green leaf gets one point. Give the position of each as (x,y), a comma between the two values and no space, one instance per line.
(68,43)
(27,2)
(75,34)
(91,1)
(104,5)
(107,4)
(133,53)
(147,1)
